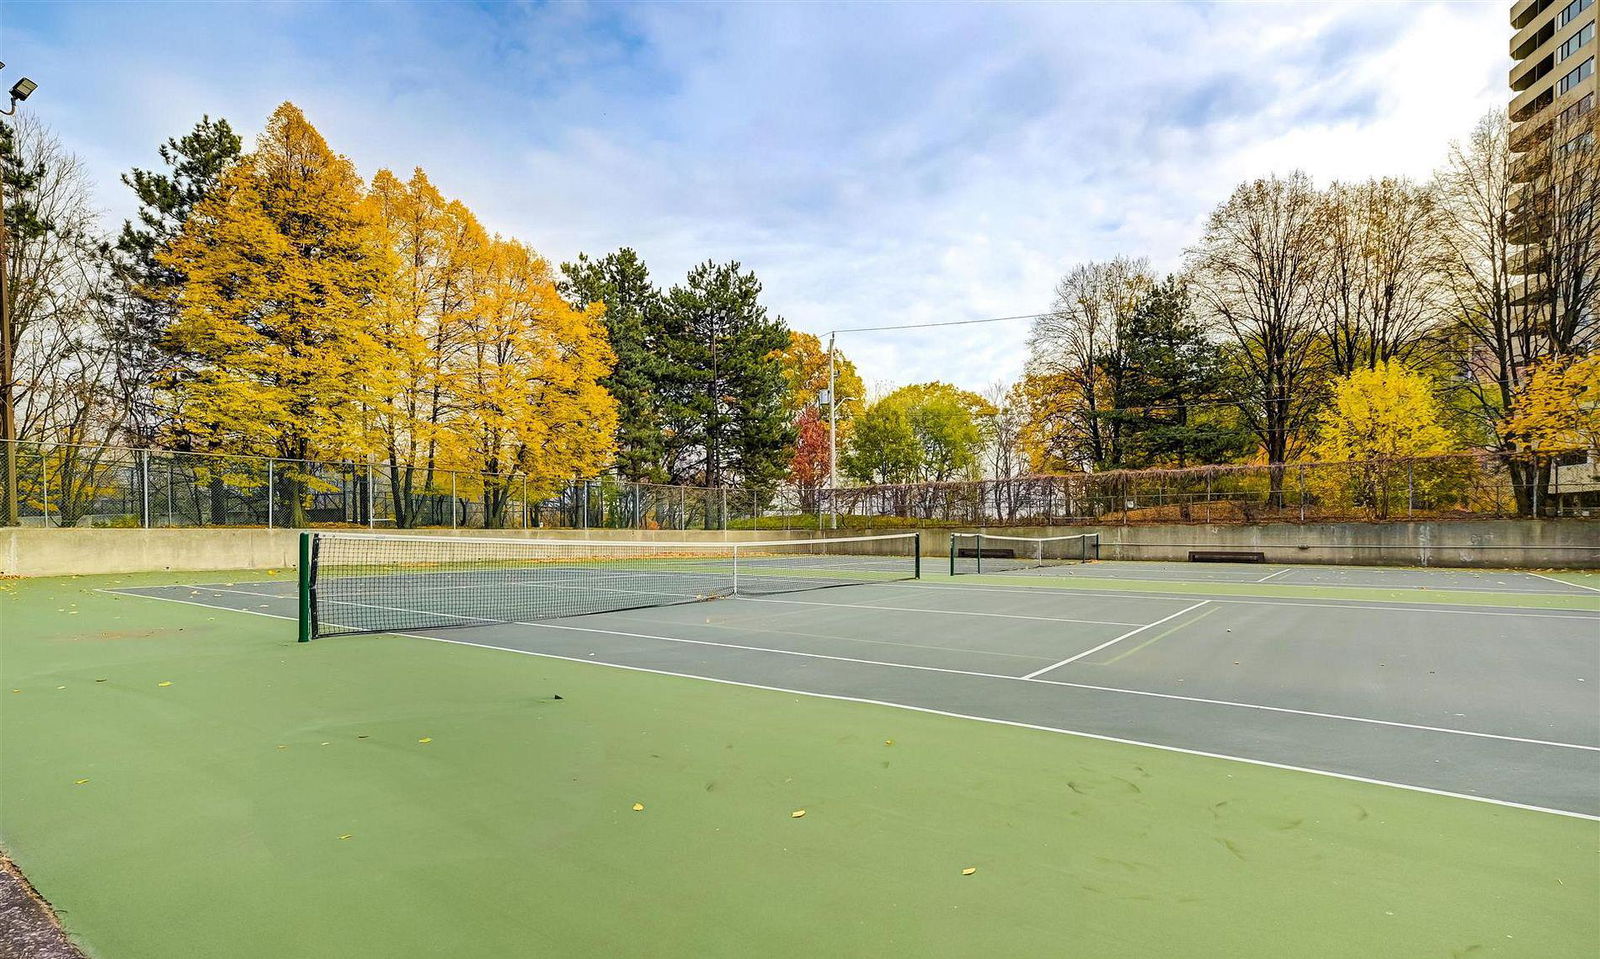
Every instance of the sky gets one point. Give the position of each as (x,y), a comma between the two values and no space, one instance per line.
(873,164)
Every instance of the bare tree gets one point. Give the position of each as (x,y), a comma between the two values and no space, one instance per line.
(1256,273)
(1557,218)
(1078,342)
(57,282)
(1379,296)
(1004,455)
(1522,271)
(60,376)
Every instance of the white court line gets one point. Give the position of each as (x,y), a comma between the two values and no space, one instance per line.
(940,612)
(1217,581)
(989,719)
(1278,573)
(1112,642)
(190,602)
(1349,777)
(1394,607)
(1030,678)
(1563,581)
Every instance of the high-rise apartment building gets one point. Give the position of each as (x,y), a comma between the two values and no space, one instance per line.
(1553,82)
(1556,167)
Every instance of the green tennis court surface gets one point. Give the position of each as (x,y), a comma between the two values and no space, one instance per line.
(243,795)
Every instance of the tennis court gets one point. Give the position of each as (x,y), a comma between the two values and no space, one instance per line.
(1488,699)
(1133,757)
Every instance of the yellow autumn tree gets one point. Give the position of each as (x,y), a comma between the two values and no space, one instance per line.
(441,257)
(1049,435)
(284,263)
(1558,408)
(525,388)
(1377,417)
(805,373)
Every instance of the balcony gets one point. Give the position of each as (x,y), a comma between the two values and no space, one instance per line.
(1524,12)
(1530,262)
(1530,166)
(1532,74)
(1523,47)
(1530,107)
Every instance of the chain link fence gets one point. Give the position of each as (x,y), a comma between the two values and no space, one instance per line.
(65,486)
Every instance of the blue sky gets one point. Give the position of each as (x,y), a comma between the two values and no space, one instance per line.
(875,164)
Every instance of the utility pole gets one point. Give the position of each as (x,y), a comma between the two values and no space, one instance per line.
(10,515)
(833,441)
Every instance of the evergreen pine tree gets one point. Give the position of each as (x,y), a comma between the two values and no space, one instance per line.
(146,304)
(1166,371)
(633,318)
(722,388)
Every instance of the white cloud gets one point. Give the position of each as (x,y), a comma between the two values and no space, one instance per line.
(875,164)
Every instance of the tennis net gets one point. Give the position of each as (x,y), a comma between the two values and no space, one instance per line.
(985,553)
(373,582)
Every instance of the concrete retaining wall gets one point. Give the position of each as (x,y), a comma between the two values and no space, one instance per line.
(1536,544)
(76,552)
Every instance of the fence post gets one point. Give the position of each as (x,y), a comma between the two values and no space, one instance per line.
(722,508)
(1208,497)
(271,492)
(144,487)
(371,523)
(455,505)
(44,478)
(1411,488)
(1533,480)
(1300,473)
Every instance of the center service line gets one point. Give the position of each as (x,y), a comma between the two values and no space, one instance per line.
(1112,642)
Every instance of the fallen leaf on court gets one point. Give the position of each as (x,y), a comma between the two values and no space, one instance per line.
(426,739)
(99,680)
(165,682)
(888,742)
(346,835)
(283,747)
(798,814)
(79,782)
(16,690)
(61,687)
(638,807)
(969,870)
(264,605)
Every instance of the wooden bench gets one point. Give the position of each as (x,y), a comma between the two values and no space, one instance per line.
(1226,556)
(992,552)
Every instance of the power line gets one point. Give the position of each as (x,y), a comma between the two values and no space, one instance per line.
(919,326)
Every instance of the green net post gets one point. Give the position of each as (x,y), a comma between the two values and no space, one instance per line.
(305,588)
(916,549)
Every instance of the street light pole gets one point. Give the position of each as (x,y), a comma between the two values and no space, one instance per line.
(10,515)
